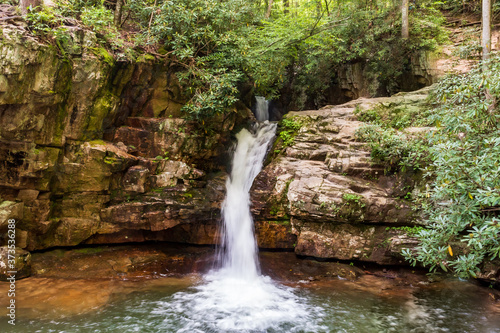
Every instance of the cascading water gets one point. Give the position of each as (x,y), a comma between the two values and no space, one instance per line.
(261,109)
(235,297)
(240,256)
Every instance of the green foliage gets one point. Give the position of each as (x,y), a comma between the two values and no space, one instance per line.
(395,116)
(214,92)
(394,149)
(197,28)
(100,20)
(220,45)
(464,199)
(42,22)
(48,22)
(97,18)
(289,129)
(410,231)
(74,8)
(353,199)
(201,35)
(368,116)
(300,53)
(469,6)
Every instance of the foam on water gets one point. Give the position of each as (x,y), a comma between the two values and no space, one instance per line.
(235,297)
(229,304)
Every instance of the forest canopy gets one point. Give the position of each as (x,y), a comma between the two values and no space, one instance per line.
(277,47)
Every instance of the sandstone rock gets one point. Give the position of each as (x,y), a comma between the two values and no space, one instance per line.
(274,235)
(69,231)
(27,195)
(26,165)
(339,203)
(86,138)
(89,167)
(351,242)
(135,179)
(21,263)
(10,210)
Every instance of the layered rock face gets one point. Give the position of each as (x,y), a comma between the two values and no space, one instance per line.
(329,193)
(93,150)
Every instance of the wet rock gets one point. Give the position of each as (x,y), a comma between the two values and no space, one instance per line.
(275,235)
(10,210)
(340,204)
(490,273)
(135,179)
(286,267)
(352,242)
(121,262)
(14,263)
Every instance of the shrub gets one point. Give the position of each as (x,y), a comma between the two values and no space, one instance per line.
(463,201)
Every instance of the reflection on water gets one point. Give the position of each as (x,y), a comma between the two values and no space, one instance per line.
(170,305)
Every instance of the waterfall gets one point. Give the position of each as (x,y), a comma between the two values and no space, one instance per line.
(262,109)
(240,256)
(235,297)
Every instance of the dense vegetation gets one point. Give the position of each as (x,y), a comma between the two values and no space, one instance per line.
(464,199)
(271,48)
(460,158)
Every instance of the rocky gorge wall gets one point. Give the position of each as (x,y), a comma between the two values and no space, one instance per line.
(322,185)
(93,149)
(328,192)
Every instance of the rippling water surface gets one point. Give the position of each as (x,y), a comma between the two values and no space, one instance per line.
(218,304)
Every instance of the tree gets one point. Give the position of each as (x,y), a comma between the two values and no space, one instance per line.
(118,13)
(269,7)
(405,33)
(25,4)
(486,34)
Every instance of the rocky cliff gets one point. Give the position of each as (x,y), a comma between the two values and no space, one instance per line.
(323,185)
(94,150)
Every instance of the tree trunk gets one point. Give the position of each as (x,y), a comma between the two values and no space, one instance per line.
(269,7)
(118,13)
(25,4)
(405,26)
(486,34)
(327,9)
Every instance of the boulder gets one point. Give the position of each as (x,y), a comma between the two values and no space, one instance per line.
(323,183)
(14,263)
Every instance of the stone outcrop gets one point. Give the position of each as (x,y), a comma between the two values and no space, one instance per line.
(15,263)
(340,205)
(93,148)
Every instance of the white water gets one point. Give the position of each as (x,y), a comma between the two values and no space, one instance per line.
(262,109)
(240,256)
(235,297)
